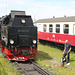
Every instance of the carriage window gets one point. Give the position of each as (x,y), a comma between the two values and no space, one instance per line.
(50,28)
(57,28)
(66,28)
(44,27)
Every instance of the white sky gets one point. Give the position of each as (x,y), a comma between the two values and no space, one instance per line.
(39,9)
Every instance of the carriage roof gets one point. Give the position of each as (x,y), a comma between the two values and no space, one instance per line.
(61,19)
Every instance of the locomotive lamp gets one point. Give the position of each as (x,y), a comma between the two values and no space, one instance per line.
(11,42)
(34,41)
(23,21)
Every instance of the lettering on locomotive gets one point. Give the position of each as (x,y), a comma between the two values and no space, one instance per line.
(23,30)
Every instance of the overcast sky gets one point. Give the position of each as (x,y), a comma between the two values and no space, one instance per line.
(39,9)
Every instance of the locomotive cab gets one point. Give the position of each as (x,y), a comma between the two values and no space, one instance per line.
(18,35)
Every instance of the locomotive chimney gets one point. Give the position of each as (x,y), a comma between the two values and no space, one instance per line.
(13,13)
(64,15)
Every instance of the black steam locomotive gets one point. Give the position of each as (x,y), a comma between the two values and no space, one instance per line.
(18,36)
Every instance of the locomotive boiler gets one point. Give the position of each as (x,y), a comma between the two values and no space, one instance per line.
(18,36)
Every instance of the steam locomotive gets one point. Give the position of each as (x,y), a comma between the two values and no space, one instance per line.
(18,36)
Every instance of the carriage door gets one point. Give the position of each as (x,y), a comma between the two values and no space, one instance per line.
(39,27)
(74,29)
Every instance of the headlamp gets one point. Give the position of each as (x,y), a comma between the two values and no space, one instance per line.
(11,41)
(23,21)
(34,41)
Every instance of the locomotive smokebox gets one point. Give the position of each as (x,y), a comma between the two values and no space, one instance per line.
(22,36)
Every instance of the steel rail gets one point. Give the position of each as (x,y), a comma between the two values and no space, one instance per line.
(44,72)
(26,73)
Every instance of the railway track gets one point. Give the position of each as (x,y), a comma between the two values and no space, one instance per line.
(31,68)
